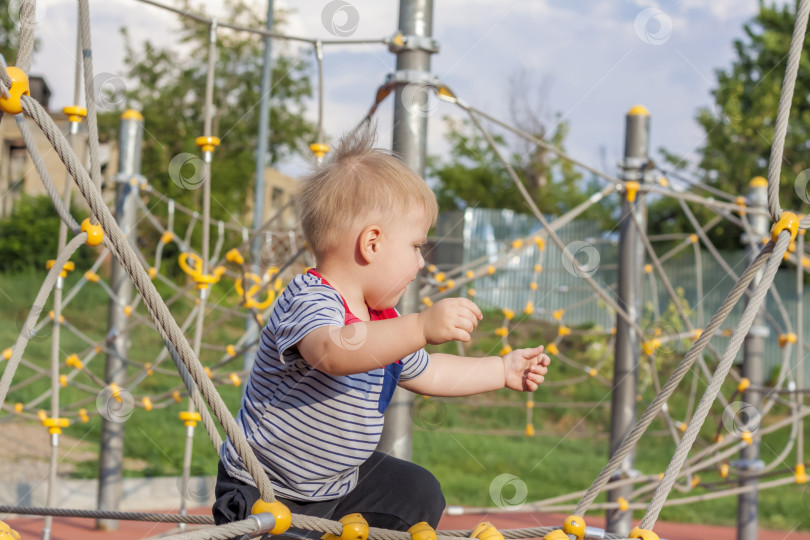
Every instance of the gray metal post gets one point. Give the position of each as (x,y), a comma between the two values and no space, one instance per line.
(747,417)
(627,348)
(111,457)
(262,148)
(410,142)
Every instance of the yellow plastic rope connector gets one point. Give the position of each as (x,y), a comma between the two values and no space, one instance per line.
(592,372)
(682,426)
(502,331)
(422,531)
(19,88)
(7,353)
(234,256)
(541,244)
(148,367)
(74,362)
(63,381)
(319,149)
(147,403)
(718,438)
(643,534)
(208,372)
(538,268)
(91,276)
(166,237)
(75,113)
(490,270)
(724,469)
(517,244)
(801,474)
(95,234)
(355,527)
(789,222)
(235,379)
(250,292)
(207,143)
(189,418)
(427,301)
(631,189)
(55,425)
(747,437)
(470,292)
(18,407)
(508,314)
(6,532)
(486,531)
(556,534)
(68,267)
(115,392)
(623,503)
(195,271)
(152,272)
(529,430)
(83,416)
(506,350)
(279,511)
(784,339)
(52,316)
(176,396)
(551,348)
(533,286)
(230,350)
(650,346)
(695,481)
(558,314)
(693,238)
(696,334)
(741,202)
(529,309)
(469,274)
(744,384)
(648,268)
(574,525)
(563,331)
(439,277)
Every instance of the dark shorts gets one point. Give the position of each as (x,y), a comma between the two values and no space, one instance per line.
(390,493)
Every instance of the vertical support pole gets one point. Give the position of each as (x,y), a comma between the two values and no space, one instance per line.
(111,458)
(262,148)
(752,369)
(627,347)
(410,142)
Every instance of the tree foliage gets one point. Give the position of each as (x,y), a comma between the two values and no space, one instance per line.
(739,128)
(168,86)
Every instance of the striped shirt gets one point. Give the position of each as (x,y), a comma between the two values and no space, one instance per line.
(310,430)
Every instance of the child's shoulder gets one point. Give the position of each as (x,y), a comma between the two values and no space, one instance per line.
(308,285)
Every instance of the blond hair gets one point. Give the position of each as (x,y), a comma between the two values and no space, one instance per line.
(358,185)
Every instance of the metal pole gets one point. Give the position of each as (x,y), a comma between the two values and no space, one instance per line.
(410,142)
(111,458)
(627,347)
(262,148)
(747,417)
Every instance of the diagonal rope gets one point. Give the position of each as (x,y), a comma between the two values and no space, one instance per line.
(736,341)
(674,380)
(164,322)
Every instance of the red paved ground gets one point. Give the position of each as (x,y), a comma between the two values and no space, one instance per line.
(80,529)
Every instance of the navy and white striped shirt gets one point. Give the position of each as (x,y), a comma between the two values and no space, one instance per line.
(310,430)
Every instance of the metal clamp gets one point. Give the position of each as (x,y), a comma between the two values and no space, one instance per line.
(400,42)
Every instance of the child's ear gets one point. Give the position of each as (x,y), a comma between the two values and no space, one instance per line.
(369,242)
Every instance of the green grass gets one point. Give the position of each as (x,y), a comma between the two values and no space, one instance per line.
(453,439)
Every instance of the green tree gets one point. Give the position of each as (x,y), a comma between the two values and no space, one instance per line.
(740,126)
(169,88)
(10,33)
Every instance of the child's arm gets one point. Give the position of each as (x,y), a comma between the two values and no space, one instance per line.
(448,375)
(364,346)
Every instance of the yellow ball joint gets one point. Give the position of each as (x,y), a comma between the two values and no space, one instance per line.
(282,515)
(69,267)
(7,533)
(319,149)
(486,531)
(55,425)
(355,527)
(190,419)
(643,534)
(75,113)
(788,222)
(234,256)
(556,534)
(574,525)
(19,88)
(207,143)
(422,531)
(801,474)
(95,234)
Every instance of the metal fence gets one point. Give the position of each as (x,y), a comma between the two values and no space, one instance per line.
(475,234)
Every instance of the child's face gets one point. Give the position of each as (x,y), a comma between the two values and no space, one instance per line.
(400,258)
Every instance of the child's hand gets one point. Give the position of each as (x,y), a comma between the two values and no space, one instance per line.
(524,369)
(449,319)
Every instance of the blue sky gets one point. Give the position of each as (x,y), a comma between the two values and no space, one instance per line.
(588,61)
